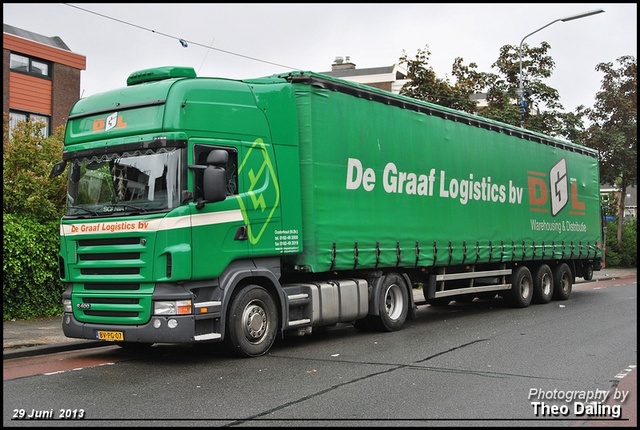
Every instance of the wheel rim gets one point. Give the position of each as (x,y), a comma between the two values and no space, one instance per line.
(255,321)
(564,283)
(525,287)
(546,284)
(394,303)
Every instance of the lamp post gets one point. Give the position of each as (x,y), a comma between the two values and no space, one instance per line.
(520,84)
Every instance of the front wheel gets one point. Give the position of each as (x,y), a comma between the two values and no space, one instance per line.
(252,322)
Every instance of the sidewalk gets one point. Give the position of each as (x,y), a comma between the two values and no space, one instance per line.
(44,336)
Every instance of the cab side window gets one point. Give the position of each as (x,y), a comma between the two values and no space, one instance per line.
(231,168)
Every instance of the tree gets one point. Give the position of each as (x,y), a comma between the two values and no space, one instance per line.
(423,84)
(27,160)
(613,131)
(501,89)
(544,112)
(32,205)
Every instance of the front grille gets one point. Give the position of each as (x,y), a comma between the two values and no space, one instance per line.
(112,301)
(107,278)
(111,271)
(114,256)
(119,258)
(112,307)
(110,241)
(114,314)
(108,286)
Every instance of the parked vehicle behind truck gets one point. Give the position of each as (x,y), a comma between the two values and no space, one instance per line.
(206,209)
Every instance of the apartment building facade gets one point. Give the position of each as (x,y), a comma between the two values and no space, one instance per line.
(40,77)
(388,78)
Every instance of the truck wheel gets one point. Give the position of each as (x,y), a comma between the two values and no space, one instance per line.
(252,322)
(542,284)
(521,291)
(394,304)
(562,281)
(588,272)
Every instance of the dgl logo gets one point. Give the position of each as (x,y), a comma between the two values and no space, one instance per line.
(106,124)
(561,191)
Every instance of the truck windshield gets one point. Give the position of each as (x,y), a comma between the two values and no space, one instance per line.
(124,183)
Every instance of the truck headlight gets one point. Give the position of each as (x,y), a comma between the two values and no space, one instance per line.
(66,305)
(174,307)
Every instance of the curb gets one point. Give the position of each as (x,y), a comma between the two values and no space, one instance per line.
(20,352)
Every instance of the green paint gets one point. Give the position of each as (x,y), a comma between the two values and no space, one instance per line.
(330,176)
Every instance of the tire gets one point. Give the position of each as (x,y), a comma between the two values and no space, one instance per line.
(562,281)
(521,292)
(252,322)
(542,284)
(588,272)
(393,304)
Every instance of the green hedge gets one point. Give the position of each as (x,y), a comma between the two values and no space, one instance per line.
(30,285)
(625,253)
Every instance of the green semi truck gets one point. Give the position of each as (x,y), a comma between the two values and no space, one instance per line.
(205,209)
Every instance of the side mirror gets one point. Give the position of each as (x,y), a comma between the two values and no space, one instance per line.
(214,177)
(215,184)
(57,169)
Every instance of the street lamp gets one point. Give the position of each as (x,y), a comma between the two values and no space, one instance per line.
(521,87)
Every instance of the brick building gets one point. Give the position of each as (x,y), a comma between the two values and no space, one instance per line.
(40,77)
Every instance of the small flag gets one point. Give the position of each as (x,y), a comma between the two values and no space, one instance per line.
(183,43)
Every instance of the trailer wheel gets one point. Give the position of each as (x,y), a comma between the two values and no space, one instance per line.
(588,272)
(521,291)
(562,281)
(252,322)
(542,284)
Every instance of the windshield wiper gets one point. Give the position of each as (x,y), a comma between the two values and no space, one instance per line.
(129,206)
(81,208)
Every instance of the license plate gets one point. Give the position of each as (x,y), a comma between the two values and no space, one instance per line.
(109,335)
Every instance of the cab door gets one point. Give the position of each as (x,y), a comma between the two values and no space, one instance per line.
(218,228)
(260,197)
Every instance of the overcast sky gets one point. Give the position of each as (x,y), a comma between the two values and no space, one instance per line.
(249,40)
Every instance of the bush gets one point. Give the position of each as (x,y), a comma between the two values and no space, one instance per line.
(30,285)
(624,254)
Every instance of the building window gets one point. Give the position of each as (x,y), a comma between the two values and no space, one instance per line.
(15,117)
(31,66)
